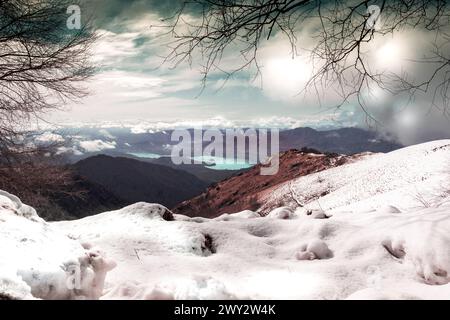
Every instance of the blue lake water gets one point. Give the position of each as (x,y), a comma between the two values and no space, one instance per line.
(214,163)
(145,155)
(218,163)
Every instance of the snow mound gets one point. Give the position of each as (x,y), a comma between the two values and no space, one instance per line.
(388,209)
(424,242)
(133,290)
(316,214)
(37,260)
(199,288)
(316,249)
(13,203)
(150,210)
(203,288)
(12,287)
(246,214)
(282,213)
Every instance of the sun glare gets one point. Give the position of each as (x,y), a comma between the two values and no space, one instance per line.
(390,55)
(286,76)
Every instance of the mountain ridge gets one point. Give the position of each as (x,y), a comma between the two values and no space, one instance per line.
(135,181)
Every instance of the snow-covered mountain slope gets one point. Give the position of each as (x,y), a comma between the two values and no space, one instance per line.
(383,233)
(408,178)
(38,261)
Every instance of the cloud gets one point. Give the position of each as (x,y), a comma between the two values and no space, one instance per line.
(113,13)
(73,150)
(122,85)
(112,48)
(324,121)
(106,134)
(96,145)
(49,137)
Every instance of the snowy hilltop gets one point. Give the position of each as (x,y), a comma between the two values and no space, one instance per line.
(374,228)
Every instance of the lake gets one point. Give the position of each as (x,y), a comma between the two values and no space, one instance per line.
(214,163)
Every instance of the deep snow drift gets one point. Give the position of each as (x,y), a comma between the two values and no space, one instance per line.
(378,228)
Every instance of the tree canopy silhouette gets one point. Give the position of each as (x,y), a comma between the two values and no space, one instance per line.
(42,65)
(342,30)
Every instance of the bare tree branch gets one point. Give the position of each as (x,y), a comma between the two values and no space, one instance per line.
(208,29)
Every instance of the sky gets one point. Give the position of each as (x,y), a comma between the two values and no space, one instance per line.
(132,85)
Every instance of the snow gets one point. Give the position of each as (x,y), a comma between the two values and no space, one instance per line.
(259,258)
(246,214)
(316,249)
(39,261)
(281,213)
(407,178)
(13,287)
(368,237)
(12,203)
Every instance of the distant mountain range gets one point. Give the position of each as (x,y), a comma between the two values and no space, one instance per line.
(121,142)
(346,141)
(114,177)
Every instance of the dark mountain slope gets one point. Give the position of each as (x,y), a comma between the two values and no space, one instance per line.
(92,199)
(134,181)
(201,171)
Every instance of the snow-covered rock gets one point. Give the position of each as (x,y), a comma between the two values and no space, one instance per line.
(246,214)
(423,240)
(37,260)
(12,287)
(316,214)
(316,249)
(12,203)
(281,213)
(148,210)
